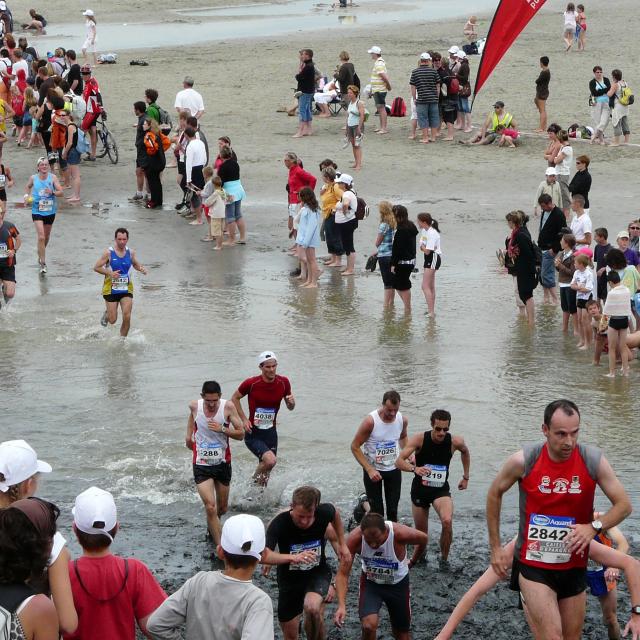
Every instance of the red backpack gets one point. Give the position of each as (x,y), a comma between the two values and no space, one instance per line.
(398,108)
(454,86)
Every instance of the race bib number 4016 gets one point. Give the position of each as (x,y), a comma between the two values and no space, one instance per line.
(546,538)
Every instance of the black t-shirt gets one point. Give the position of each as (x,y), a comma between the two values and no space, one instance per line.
(307,78)
(229,170)
(404,244)
(284,534)
(74,74)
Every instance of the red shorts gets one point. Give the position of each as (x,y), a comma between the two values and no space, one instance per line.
(89,121)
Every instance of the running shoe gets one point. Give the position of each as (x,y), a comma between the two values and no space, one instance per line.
(138,196)
(359,510)
(103,320)
(180,206)
(43,268)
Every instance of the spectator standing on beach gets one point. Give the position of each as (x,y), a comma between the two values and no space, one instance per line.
(464,109)
(306,79)
(564,162)
(552,222)
(345,75)
(620,111)
(380,84)
(425,88)
(599,87)
(570,17)
(582,27)
(581,182)
(403,255)
(189,99)
(139,110)
(549,186)
(74,77)
(542,93)
(91,37)
(521,254)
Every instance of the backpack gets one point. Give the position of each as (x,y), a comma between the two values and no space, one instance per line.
(627,97)
(362,210)
(82,146)
(398,108)
(356,79)
(454,86)
(165,120)
(166,143)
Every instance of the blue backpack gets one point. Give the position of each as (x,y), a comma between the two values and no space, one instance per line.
(82,146)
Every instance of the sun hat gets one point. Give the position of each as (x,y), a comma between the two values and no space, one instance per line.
(345,178)
(95,512)
(551,171)
(89,13)
(454,49)
(243,535)
(461,54)
(18,462)
(376,50)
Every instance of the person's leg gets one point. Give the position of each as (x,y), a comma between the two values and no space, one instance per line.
(429,289)
(420,519)
(382,110)
(263,470)
(389,295)
(357,155)
(542,608)
(8,289)
(624,352)
(531,312)
(392,482)
(314,616)
(74,170)
(112,312)
(581,316)
(206,491)
(613,349)
(370,626)
(126,304)
(405,296)
(598,349)
(608,604)
(290,628)
(444,509)
(572,612)
(312,265)
(374,493)
(93,136)
(222,497)
(302,257)
(40,233)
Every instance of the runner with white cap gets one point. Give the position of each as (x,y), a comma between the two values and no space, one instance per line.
(241,609)
(111,594)
(265,393)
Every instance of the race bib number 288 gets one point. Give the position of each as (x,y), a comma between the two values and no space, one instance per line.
(546,538)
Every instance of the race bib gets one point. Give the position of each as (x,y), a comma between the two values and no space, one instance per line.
(120,284)
(546,537)
(436,475)
(380,570)
(209,453)
(4,250)
(314,545)
(3,180)
(386,453)
(264,418)
(45,204)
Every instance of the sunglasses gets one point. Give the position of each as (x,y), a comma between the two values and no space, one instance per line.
(438,429)
(635,228)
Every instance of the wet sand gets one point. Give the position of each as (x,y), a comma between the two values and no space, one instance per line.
(200,315)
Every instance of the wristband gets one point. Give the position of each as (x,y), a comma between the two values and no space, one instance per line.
(465,477)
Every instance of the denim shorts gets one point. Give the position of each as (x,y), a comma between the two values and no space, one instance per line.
(304,107)
(463,104)
(73,157)
(232,212)
(428,115)
(548,270)
(379,98)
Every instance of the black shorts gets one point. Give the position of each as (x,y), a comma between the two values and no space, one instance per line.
(568,299)
(259,441)
(218,472)
(3,195)
(116,297)
(402,277)
(425,500)
(566,583)
(526,286)
(430,263)
(46,220)
(450,115)
(291,594)
(8,273)
(582,304)
(619,323)
(17,120)
(395,596)
(385,271)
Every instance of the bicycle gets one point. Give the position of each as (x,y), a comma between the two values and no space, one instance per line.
(109,145)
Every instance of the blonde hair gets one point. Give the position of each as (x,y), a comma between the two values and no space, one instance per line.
(583,259)
(386,213)
(30,97)
(207,172)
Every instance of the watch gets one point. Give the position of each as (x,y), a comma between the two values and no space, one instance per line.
(636,609)
(597,525)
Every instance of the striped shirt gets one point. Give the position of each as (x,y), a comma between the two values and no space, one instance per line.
(384,249)
(377,83)
(425,80)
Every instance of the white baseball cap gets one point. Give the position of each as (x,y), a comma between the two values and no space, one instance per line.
(425,56)
(266,355)
(551,171)
(243,535)
(88,12)
(374,49)
(461,54)
(95,512)
(454,49)
(18,462)
(345,178)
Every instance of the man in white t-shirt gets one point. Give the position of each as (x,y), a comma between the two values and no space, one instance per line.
(189,99)
(581,226)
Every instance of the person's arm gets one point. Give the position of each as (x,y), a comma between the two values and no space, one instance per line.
(269,556)
(362,435)
(402,440)
(512,470)
(61,593)
(191,425)
(619,540)
(189,162)
(101,265)
(17,243)
(42,614)
(9,112)
(166,621)
(613,90)
(136,265)
(414,92)
(354,544)
(459,444)
(408,535)
(57,187)
(413,444)
(235,398)
(65,151)
(236,428)
(74,84)
(559,158)
(385,78)
(582,534)
(343,552)
(362,115)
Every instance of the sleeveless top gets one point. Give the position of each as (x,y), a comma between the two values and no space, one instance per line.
(435,457)
(13,598)
(123,282)
(381,449)
(210,447)
(553,496)
(381,565)
(43,205)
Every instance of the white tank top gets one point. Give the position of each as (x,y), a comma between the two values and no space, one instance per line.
(210,447)
(381,565)
(381,449)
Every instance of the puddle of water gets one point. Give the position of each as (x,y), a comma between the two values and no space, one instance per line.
(250,21)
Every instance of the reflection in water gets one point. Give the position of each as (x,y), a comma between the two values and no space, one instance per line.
(347,19)
(118,374)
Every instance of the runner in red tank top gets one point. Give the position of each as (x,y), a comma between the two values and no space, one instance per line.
(557,482)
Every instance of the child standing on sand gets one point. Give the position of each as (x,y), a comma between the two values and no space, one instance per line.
(583,284)
(618,308)
(214,204)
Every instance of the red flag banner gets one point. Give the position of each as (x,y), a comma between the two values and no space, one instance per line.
(511,17)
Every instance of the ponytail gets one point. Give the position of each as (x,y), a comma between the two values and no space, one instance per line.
(427,219)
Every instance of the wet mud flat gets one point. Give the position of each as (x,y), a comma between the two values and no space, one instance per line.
(435,587)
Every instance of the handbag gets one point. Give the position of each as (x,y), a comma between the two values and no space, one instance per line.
(465,91)
(372,261)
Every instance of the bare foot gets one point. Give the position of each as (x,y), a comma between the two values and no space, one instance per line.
(382,132)
(584,347)
(297,135)
(610,375)
(538,131)
(228,244)
(468,130)
(448,139)
(310,286)
(217,248)
(411,137)
(196,222)
(335,264)
(72,199)
(346,273)
(425,141)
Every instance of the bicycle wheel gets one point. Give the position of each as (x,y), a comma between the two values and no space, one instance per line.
(111,147)
(102,132)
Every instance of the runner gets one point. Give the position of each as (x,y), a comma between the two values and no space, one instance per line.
(382,434)
(597,552)
(115,265)
(433,452)
(212,421)
(304,576)
(42,189)
(557,481)
(385,574)
(9,244)
(265,393)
